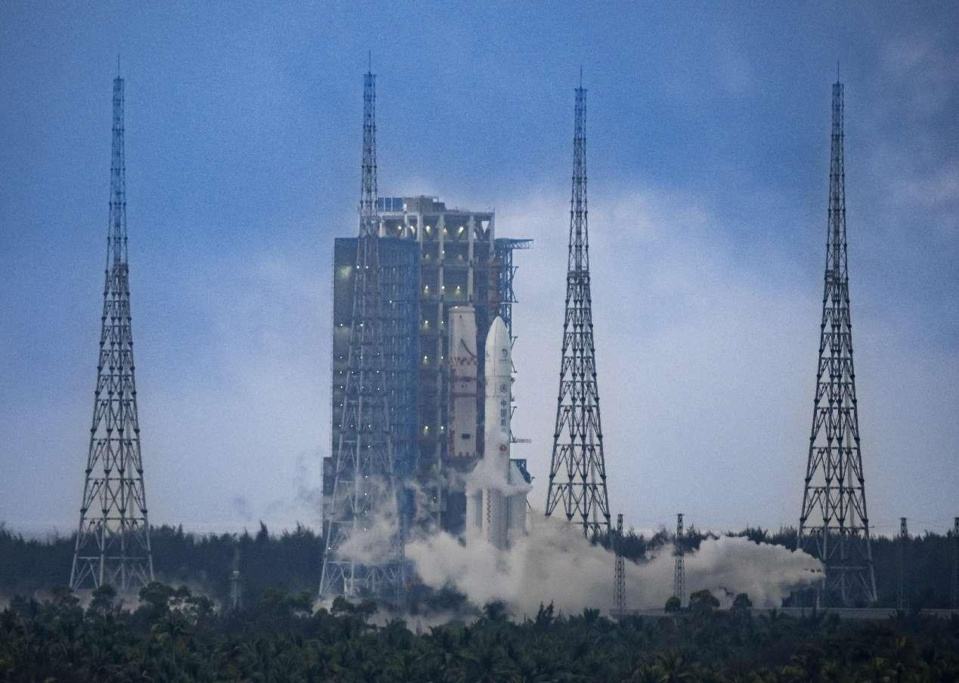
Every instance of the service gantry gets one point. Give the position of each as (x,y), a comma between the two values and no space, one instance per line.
(834,525)
(577,475)
(113,538)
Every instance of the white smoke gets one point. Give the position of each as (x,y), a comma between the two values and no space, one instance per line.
(373,543)
(490,473)
(557,564)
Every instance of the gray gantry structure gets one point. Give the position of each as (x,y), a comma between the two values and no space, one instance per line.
(113,538)
(834,525)
(504,248)
(577,476)
(364,543)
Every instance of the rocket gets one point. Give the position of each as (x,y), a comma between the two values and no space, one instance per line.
(496,488)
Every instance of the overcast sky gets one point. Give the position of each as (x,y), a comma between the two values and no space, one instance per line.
(708,162)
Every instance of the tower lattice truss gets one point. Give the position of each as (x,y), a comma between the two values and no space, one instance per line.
(834,525)
(364,550)
(577,477)
(113,539)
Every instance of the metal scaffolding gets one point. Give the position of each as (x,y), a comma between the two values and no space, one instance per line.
(834,525)
(113,538)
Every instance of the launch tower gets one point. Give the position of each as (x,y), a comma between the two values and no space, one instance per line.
(113,539)
(577,476)
(834,525)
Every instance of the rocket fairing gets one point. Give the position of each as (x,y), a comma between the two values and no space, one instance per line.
(496,489)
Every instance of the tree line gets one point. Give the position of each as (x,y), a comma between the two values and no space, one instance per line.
(292,560)
(175,635)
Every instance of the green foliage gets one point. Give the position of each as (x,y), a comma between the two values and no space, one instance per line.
(673,604)
(702,601)
(174,636)
(742,602)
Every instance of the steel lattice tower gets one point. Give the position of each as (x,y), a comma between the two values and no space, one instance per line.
(679,570)
(619,589)
(902,587)
(113,538)
(834,525)
(364,506)
(577,476)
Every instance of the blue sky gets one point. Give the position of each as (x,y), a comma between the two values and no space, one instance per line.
(708,160)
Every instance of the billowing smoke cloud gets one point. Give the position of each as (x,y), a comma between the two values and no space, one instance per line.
(556,564)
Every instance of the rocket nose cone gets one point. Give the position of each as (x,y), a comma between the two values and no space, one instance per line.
(498,349)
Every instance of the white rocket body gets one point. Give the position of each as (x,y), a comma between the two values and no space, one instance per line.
(496,489)
(462,436)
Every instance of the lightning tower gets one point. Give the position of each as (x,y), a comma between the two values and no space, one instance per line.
(113,539)
(577,476)
(679,570)
(834,525)
(236,583)
(902,587)
(619,590)
(955,563)
(364,505)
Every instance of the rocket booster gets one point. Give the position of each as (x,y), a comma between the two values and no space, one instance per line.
(499,370)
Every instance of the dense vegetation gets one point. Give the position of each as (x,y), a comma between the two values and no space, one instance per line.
(292,560)
(176,636)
